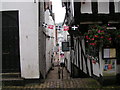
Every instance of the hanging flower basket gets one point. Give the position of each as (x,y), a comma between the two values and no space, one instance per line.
(117,37)
(93,61)
(99,36)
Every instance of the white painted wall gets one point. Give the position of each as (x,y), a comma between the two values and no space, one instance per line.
(47,14)
(48,54)
(103,7)
(67,55)
(87,7)
(0,6)
(28,34)
(49,41)
(96,69)
(88,62)
(80,57)
(118,69)
(117,6)
(84,66)
(101,61)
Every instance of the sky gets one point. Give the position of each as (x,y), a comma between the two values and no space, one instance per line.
(58,10)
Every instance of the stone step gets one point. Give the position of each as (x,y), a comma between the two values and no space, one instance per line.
(14,79)
(11,79)
(10,75)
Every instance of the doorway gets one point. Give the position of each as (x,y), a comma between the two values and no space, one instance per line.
(10,42)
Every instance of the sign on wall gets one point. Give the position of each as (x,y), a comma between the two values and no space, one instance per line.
(55,49)
(65,46)
(109,67)
(109,57)
(109,53)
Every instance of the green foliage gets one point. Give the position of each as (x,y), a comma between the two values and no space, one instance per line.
(101,36)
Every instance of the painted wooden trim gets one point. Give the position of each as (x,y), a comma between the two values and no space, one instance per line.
(94,7)
(78,55)
(111,7)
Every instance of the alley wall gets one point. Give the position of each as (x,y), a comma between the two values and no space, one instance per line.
(28,34)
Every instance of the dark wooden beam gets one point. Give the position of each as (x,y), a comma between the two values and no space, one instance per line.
(99,17)
(77,12)
(111,7)
(95,7)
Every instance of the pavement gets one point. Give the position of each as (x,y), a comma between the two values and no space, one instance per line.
(54,73)
(54,81)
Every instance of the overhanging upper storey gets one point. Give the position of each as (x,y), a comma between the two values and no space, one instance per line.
(84,12)
(91,11)
(97,12)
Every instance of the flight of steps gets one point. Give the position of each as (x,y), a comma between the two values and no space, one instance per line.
(11,79)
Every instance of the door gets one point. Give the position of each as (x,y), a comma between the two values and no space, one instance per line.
(10,42)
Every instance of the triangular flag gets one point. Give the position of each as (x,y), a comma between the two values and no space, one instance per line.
(74,27)
(50,26)
(58,27)
(66,28)
(44,25)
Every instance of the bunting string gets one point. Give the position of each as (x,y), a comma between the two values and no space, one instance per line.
(64,28)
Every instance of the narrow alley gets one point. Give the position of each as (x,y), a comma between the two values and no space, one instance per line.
(60,44)
(53,81)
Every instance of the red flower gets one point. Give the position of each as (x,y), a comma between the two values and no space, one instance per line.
(50,26)
(93,61)
(89,31)
(118,35)
(93,44)
(101,37)
(109,38)
(66,28)
(95,35)
(102,31)
(99,31)
(92,39)
(87,37)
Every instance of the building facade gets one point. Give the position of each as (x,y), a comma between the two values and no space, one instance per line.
(50,35)
(24,39)
(83,14)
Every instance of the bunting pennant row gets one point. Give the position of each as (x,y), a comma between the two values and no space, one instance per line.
(65,28)
(44,25)
(50,26)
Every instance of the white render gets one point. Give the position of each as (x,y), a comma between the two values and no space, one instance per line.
(103,7)
(78,57)
(50,42)
(117,7)
(63,38)
(118,69)
(87,7)
(0,6)
(28,35)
